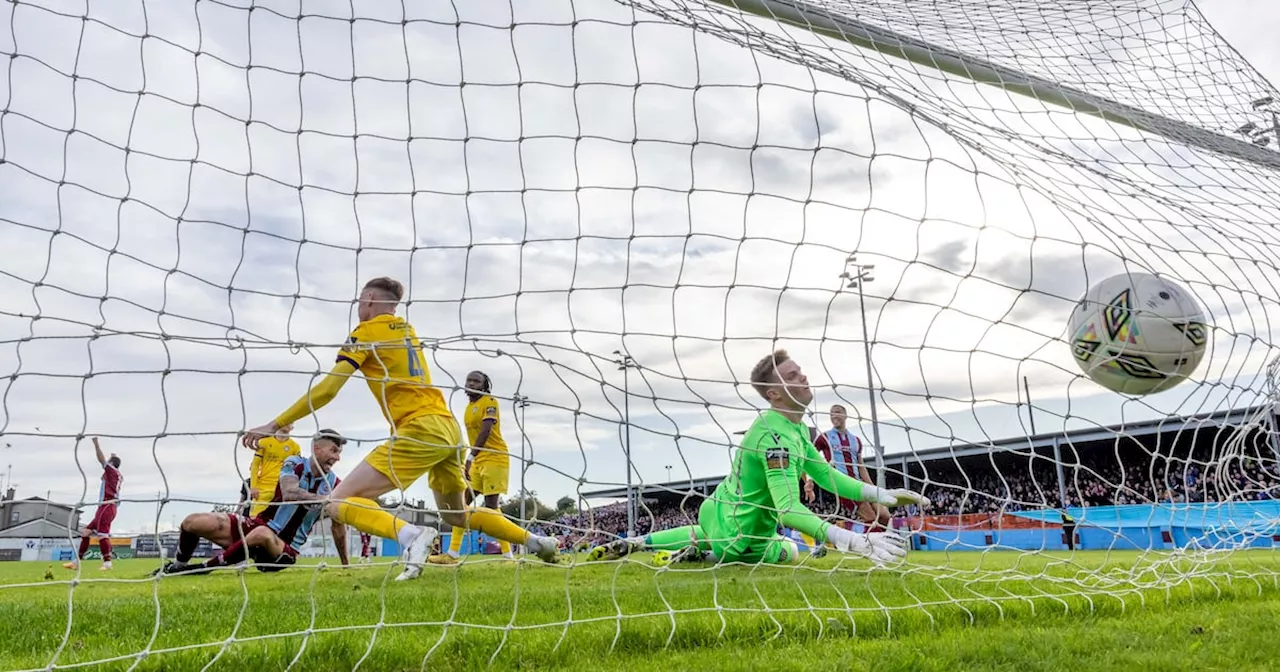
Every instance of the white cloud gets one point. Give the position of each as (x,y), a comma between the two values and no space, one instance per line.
(593,179)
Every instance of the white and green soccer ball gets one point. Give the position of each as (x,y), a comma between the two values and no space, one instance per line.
(1137,334)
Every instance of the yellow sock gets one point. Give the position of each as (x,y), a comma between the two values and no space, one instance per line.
(496,525)
(505,547)
(365,515)
(455,540)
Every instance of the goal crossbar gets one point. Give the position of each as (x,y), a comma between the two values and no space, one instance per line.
(817,20)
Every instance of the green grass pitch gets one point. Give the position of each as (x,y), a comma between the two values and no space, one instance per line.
(957,611)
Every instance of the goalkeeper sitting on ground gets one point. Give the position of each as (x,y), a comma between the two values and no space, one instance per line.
(739,522)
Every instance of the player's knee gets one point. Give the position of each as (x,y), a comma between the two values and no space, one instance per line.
(258,536)
(453,518)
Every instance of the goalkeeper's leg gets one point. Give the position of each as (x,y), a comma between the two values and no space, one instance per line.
(778,550)
(665,541)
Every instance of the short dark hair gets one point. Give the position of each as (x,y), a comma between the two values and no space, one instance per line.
(765,373)
(331,435)
(389,287)
(839,406)
(114,461)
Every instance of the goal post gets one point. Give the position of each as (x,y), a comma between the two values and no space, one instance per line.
(822,19)
(613,209)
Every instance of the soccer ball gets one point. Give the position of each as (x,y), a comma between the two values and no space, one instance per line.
(1135,333)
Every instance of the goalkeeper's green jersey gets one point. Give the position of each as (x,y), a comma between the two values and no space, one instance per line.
(762,489)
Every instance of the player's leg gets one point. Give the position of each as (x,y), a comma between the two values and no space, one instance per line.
(86,536)
(456,535)
(396,464)
(227,530)
(449,487)
(104,519)
(673,540)
(489,481)
(353,502)
(777,550)
(269,552)
(492,501)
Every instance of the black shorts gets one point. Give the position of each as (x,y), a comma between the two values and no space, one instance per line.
(264,562)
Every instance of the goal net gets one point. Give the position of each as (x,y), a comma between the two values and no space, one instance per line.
(614,209)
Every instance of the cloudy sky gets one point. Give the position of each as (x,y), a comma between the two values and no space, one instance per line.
(191,196)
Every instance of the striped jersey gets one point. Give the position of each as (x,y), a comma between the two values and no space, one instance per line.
(292,522)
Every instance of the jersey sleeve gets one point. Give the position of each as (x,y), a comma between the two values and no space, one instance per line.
(489,409)
(823,447)
(293,467)
(829,478)
(782,475)
(357,347)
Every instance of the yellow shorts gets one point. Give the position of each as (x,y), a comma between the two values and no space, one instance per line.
(489,479)
(427,444)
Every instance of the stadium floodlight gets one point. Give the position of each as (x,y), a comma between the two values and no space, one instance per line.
(858,278)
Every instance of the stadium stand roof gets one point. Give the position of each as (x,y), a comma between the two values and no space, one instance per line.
(1046,441)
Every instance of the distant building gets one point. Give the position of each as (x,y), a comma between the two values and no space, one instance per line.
(37,518)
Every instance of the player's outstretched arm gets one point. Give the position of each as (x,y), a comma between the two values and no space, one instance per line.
(340,540)
(830,479)
(97,449)
(320,394)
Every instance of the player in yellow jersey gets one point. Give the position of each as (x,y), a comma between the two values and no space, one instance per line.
(425,438)
(487,465)
(264,470)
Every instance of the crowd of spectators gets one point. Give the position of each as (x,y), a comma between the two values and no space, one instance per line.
(1099,482)
(979,486)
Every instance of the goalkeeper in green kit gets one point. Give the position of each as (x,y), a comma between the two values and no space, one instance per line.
(739,522)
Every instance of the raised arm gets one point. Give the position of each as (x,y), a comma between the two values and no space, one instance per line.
(97,449)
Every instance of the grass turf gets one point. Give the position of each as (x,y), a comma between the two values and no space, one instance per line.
(993,610)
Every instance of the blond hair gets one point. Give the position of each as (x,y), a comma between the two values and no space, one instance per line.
(390,288)
(765,373)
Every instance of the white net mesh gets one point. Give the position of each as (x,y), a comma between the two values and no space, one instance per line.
(614,210)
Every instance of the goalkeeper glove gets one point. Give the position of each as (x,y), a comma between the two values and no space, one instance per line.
(894,497)
(881,547)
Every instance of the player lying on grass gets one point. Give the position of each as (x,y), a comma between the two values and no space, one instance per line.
(108,503)
(425,437)
(739,522)
(488,464)
(273,538)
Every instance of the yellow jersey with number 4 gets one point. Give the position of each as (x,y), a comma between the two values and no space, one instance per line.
(484,408)
(386,351)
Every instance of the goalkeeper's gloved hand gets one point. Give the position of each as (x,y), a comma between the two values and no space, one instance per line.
(882,548)
(894,497)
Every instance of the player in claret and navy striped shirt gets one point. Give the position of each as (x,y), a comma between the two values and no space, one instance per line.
(108,502)
(273,538)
